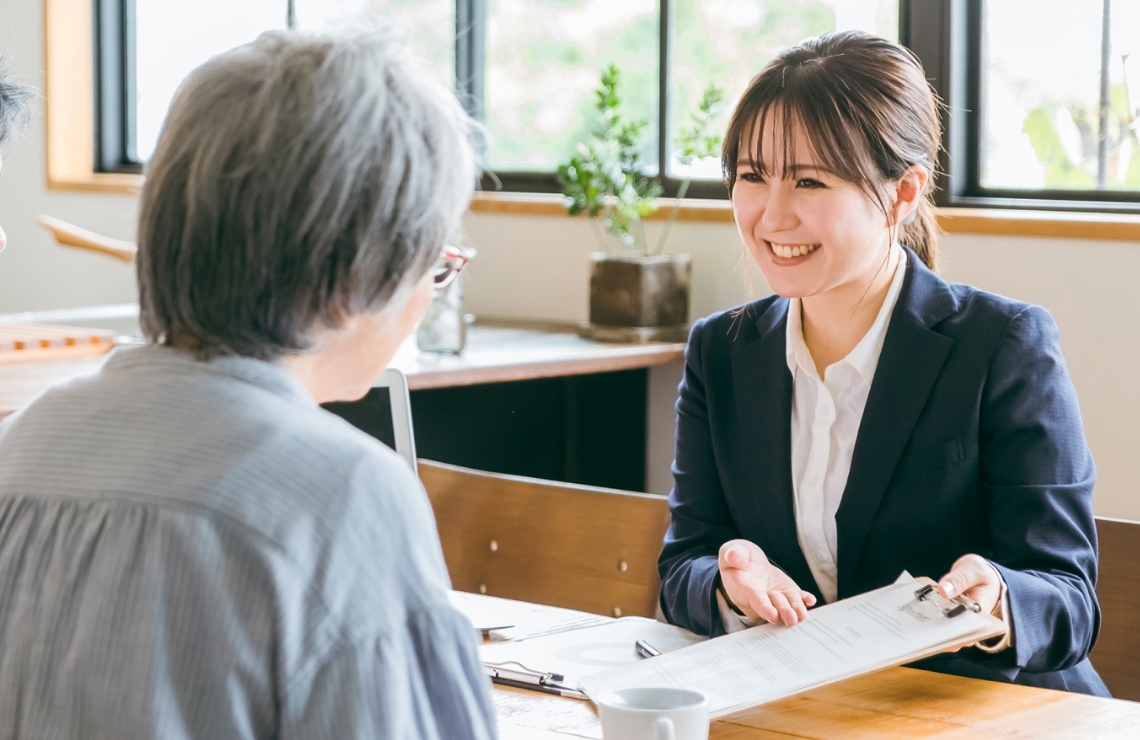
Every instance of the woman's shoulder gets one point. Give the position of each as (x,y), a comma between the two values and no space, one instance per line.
(740,324)
(992,314)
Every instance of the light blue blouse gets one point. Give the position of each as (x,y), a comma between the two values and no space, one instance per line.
(196,549)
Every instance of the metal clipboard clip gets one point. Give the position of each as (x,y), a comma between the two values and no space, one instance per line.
(521,673)
(958,604)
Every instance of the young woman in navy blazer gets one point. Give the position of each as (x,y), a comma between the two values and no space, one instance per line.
(869,417)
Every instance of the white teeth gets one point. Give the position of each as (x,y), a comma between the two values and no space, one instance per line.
(799,250)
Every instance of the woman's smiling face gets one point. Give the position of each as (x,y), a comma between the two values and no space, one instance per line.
(810,232)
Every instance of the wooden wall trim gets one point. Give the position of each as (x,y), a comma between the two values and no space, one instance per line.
(69,107)
(1055,224)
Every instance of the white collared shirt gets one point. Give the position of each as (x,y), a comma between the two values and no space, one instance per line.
(826,414)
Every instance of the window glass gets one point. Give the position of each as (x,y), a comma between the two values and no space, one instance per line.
(171,39)
(544,60)
(427,26)
(1041,123)
(729,41)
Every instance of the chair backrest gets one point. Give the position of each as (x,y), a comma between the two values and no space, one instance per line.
(560,544)
(1117,653)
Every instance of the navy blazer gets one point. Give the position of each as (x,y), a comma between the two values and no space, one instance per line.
(971,442)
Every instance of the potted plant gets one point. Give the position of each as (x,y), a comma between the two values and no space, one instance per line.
(636,293)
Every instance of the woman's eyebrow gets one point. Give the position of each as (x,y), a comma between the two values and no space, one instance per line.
(816,167)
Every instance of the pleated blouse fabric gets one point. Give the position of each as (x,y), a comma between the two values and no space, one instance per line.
(195,549)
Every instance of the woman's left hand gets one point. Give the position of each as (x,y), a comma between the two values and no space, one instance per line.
(973,577)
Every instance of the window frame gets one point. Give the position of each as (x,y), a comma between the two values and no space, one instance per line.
(946,35)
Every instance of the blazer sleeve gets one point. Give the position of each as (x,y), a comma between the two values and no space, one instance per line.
(701,521)
(1038,476)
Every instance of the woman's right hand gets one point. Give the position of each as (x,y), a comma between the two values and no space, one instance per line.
(758,588)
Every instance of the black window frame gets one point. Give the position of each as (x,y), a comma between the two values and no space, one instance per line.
(946,35)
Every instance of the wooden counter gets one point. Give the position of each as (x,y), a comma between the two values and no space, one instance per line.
(889,704)
(496,351)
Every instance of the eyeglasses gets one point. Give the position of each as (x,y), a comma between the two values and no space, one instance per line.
(450,263)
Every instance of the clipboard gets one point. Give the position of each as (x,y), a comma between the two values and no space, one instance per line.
(558,661)
(897,624)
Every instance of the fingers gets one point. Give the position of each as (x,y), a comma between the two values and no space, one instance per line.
(779,606)
(973,577)
(968,572)
(761,603)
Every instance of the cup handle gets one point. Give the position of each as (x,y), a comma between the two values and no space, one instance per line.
(663,729)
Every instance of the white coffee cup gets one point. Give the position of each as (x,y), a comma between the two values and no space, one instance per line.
(654,714)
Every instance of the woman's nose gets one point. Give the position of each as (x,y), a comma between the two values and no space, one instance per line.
(778,214)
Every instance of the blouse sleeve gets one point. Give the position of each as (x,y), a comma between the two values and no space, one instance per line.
(423,683)
(399,661)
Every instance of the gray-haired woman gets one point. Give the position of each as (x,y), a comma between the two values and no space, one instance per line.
(14,110)
(190,547)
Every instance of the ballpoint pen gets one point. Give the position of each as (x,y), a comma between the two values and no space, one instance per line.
(541,688)
(645,650)
(522,677)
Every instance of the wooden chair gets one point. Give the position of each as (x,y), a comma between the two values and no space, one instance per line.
(1117,652)
(560,544)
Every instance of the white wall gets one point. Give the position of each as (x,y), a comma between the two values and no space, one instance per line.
(35,273)
(536,267)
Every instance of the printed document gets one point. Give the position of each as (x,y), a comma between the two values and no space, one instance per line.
(584,651)
(507,619)
(848,638)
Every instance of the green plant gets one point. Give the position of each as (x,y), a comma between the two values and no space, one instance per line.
(604,178)
(696,143)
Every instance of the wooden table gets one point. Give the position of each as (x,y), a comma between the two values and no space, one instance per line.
(895,703)
(496,351)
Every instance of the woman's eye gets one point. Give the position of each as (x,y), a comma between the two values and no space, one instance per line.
(751,177)
(807,182)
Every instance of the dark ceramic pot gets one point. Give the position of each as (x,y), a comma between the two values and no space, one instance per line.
(648,293)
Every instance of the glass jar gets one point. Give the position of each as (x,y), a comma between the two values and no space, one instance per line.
(443,329)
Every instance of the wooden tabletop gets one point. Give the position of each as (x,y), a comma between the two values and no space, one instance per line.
(891,704)
(496,351)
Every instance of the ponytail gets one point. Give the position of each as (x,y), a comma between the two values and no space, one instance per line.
(921,232)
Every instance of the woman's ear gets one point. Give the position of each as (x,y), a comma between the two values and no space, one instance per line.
(909,191)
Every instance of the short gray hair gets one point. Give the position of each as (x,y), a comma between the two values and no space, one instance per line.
(15,102)
(298,180)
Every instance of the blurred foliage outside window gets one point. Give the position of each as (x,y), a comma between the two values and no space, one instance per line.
(1040,123)
(1041,93)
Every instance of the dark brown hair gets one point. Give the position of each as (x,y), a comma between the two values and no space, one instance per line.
(868,114)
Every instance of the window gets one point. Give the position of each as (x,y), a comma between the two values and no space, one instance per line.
(526,67)
(1042,100)
(1041,115)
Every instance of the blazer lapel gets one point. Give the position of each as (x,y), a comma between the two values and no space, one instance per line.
(910,363)
(762,384)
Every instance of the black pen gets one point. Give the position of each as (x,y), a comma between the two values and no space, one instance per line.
(542,688)
(645,650)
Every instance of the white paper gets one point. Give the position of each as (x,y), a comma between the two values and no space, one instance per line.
(507,619)
(848,638)
(585,651)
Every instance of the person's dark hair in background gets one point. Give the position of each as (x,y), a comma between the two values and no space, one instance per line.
(15,109)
